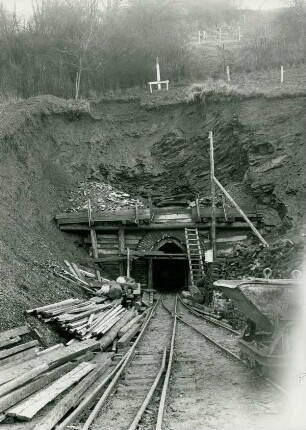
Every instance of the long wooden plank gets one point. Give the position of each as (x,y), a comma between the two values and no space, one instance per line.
(205,212)
(28,408)
(10,341)
(72,317)
(103,216)
(21,357)
(126,328)
(17,331)
(22,393)
(72,398)
(22,379)
(53,305)
(18,348)
(152,227)
(124,341)
(53,358)
(252,226)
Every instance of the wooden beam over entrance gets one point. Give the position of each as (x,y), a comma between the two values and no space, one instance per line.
(152,227)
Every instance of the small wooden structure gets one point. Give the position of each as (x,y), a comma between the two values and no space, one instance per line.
(158,83)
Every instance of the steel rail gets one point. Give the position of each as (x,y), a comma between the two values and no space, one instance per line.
(118,369)
(207,318)
(162,402)
(148,398)
(108,390)
(227,351)
(274,384)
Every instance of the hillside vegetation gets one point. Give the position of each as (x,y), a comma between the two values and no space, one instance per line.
(73,48)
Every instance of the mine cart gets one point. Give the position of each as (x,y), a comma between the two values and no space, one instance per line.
(272,309)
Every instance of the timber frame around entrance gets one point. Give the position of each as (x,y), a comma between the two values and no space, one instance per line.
(136,235)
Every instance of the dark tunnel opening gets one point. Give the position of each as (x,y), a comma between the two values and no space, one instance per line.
(170,274)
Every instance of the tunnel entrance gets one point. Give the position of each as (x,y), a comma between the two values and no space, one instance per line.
(170,274)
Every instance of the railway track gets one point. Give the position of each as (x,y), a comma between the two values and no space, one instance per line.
(145,394)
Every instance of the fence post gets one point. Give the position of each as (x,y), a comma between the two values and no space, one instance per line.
(204,34)
(228,73)
(282,74)
(220,35)
(239,34)
(199,37)
(158,73)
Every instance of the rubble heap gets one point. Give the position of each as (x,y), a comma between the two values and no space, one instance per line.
(102,197)
(249,261)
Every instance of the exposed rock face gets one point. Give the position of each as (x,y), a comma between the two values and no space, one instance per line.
(49,146)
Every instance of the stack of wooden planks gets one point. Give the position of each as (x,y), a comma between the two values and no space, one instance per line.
(84,319)
(32,378)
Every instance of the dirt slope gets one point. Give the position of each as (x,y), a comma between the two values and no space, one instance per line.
(48,146)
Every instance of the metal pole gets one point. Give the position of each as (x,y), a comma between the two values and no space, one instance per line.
(213,196)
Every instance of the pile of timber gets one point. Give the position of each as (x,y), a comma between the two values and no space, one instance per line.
(93,318)
(32,379)
(84,319)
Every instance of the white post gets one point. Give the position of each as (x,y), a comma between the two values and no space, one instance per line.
(199,37)
(220,35)
(239,34)
(204,34)
(228,73)
(244,17)
(282,74)
(158,73)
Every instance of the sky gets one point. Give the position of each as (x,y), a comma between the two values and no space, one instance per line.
(24,7)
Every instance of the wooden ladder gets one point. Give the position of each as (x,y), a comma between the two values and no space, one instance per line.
(194,251)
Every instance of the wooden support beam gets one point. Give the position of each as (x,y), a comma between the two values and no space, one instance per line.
(153,227)
(94,243)
(121,241)
(150,273)
(251,225)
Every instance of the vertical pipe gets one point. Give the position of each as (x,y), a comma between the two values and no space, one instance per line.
(158,73)
(213,196)
(199,37)
(239,34)
(220,35)
(204,35)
